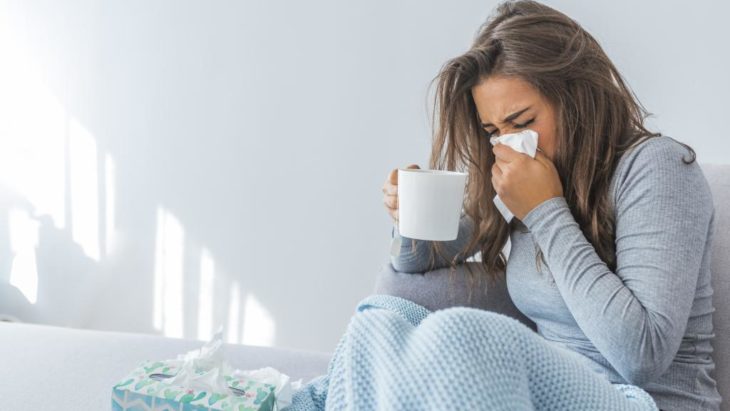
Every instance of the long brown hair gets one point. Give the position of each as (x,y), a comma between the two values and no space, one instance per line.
(598,118)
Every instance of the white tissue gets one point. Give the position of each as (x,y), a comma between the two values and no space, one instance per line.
(205,369)
(268,375)
(524,142)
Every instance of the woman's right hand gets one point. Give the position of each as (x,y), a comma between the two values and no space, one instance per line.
(390,192)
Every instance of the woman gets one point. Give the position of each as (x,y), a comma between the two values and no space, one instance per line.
(609,245)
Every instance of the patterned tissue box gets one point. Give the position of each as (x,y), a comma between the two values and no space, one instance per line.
(143,390)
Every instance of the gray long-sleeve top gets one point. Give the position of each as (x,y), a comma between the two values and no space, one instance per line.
(649,323)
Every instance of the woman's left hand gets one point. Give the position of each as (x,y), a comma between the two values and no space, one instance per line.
(523,182)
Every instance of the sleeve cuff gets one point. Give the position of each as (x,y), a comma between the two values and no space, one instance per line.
(544,210)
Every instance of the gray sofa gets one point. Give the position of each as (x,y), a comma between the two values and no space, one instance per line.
(428,289)
(57,368)
(77,368)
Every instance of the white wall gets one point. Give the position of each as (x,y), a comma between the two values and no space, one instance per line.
(167,166)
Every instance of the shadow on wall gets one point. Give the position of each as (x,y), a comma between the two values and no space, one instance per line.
(59,248)
(36,257)
(61,244)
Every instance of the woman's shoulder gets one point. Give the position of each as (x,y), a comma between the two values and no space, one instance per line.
(660,163)
(655,150)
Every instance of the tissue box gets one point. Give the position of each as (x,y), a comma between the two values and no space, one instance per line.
(143,390)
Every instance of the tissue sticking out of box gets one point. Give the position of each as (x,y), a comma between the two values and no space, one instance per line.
(524,142)
(267,375)
(205,368)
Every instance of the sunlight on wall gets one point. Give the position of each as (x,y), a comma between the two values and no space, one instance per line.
(205,296)
(32,157)
(51,165)
(23,240)
(32,134)
(54,171)
(84,189)
(168,308)
(258,325)
(110,174)
(233,333)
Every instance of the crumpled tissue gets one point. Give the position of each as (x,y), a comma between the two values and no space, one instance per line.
(205,369)
(524,142)
(202,380)
(268,375)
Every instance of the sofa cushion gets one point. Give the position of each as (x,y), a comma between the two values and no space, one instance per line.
(718,176)
(48,367)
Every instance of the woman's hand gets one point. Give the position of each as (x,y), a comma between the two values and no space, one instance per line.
(390,192)
(523,182)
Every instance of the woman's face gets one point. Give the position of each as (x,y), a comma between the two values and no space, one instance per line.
(510,104)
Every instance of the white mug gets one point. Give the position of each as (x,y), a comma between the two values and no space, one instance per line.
(430,203)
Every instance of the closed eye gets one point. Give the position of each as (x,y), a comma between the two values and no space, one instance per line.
(525,124)
(518,126)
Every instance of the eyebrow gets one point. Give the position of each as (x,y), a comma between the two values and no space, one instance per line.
(509,118)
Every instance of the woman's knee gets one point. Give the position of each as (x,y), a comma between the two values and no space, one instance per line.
(481,323)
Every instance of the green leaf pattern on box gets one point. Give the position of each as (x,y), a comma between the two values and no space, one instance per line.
(140,392)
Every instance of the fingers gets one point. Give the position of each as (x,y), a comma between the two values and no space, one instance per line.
(392,211)
(391,202)
(393,176)
(390,187)
(541,157)
(390,191)
(505,153)
(496,177)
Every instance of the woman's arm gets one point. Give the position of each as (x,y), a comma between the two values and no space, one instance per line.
(405,259)
(636,316)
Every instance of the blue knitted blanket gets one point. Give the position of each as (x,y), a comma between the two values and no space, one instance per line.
(396,354)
